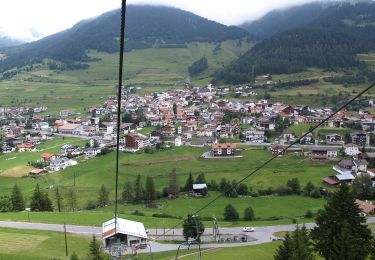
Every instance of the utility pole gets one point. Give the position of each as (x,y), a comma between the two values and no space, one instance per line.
(66,243)
(74,178)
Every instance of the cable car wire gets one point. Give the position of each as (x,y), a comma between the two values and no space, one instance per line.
(120,72)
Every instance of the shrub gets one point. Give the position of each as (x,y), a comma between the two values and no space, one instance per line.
(249,214)
(90,205)
(309,214)
(230,213)
(164,215)
(316,193)
(138,213)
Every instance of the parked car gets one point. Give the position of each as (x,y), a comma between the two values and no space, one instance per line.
(248,229)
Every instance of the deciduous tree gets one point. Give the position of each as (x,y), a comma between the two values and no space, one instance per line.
(192,227)
(5,204)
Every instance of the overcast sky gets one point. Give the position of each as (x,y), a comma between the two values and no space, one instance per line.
(32,19)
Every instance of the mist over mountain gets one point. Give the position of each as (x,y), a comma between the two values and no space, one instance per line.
(332,40)
(283,20)
(6,41)
(146,27)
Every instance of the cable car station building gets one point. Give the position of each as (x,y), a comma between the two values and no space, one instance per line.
(130,233)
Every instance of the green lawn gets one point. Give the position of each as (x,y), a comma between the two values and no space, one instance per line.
(92,218)
(258,252)
(264,207)
(303,128)
(39,245)
(147,130)
(92,173)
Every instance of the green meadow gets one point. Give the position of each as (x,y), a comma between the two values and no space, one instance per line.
(258,252)
(42,245)
(269,210)
(91,174)
(155,69)
(20,244)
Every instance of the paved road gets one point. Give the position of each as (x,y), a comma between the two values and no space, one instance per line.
(261,234)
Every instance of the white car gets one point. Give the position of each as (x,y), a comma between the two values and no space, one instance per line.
(248,229)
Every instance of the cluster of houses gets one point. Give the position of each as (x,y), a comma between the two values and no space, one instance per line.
(52,162)
(200,116)
(348,170)
(192,116)
(13,123)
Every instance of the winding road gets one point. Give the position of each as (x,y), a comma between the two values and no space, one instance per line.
(260,235)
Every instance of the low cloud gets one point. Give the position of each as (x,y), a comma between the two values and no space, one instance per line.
(47,17)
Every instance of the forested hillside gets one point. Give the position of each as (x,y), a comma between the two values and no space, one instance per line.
(6,42)
(283,20)
(329,42)
(146,27)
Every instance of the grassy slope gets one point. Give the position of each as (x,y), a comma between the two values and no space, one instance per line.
(30,244)
(157,68)
(92,173)
(96,218)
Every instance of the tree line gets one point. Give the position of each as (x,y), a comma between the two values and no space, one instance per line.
(39,201)
(327,43)
(198,67)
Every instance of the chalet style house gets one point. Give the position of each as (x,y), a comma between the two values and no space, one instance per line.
(219,150)
(319,153)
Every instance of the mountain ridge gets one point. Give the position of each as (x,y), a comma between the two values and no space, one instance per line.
(159,25)
(329,42)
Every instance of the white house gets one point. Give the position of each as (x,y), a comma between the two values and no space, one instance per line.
(351,149)
(178,141)
(255,136)
(58,164)
(200,188)
(91,152)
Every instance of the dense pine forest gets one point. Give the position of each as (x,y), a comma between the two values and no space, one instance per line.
(331,41)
